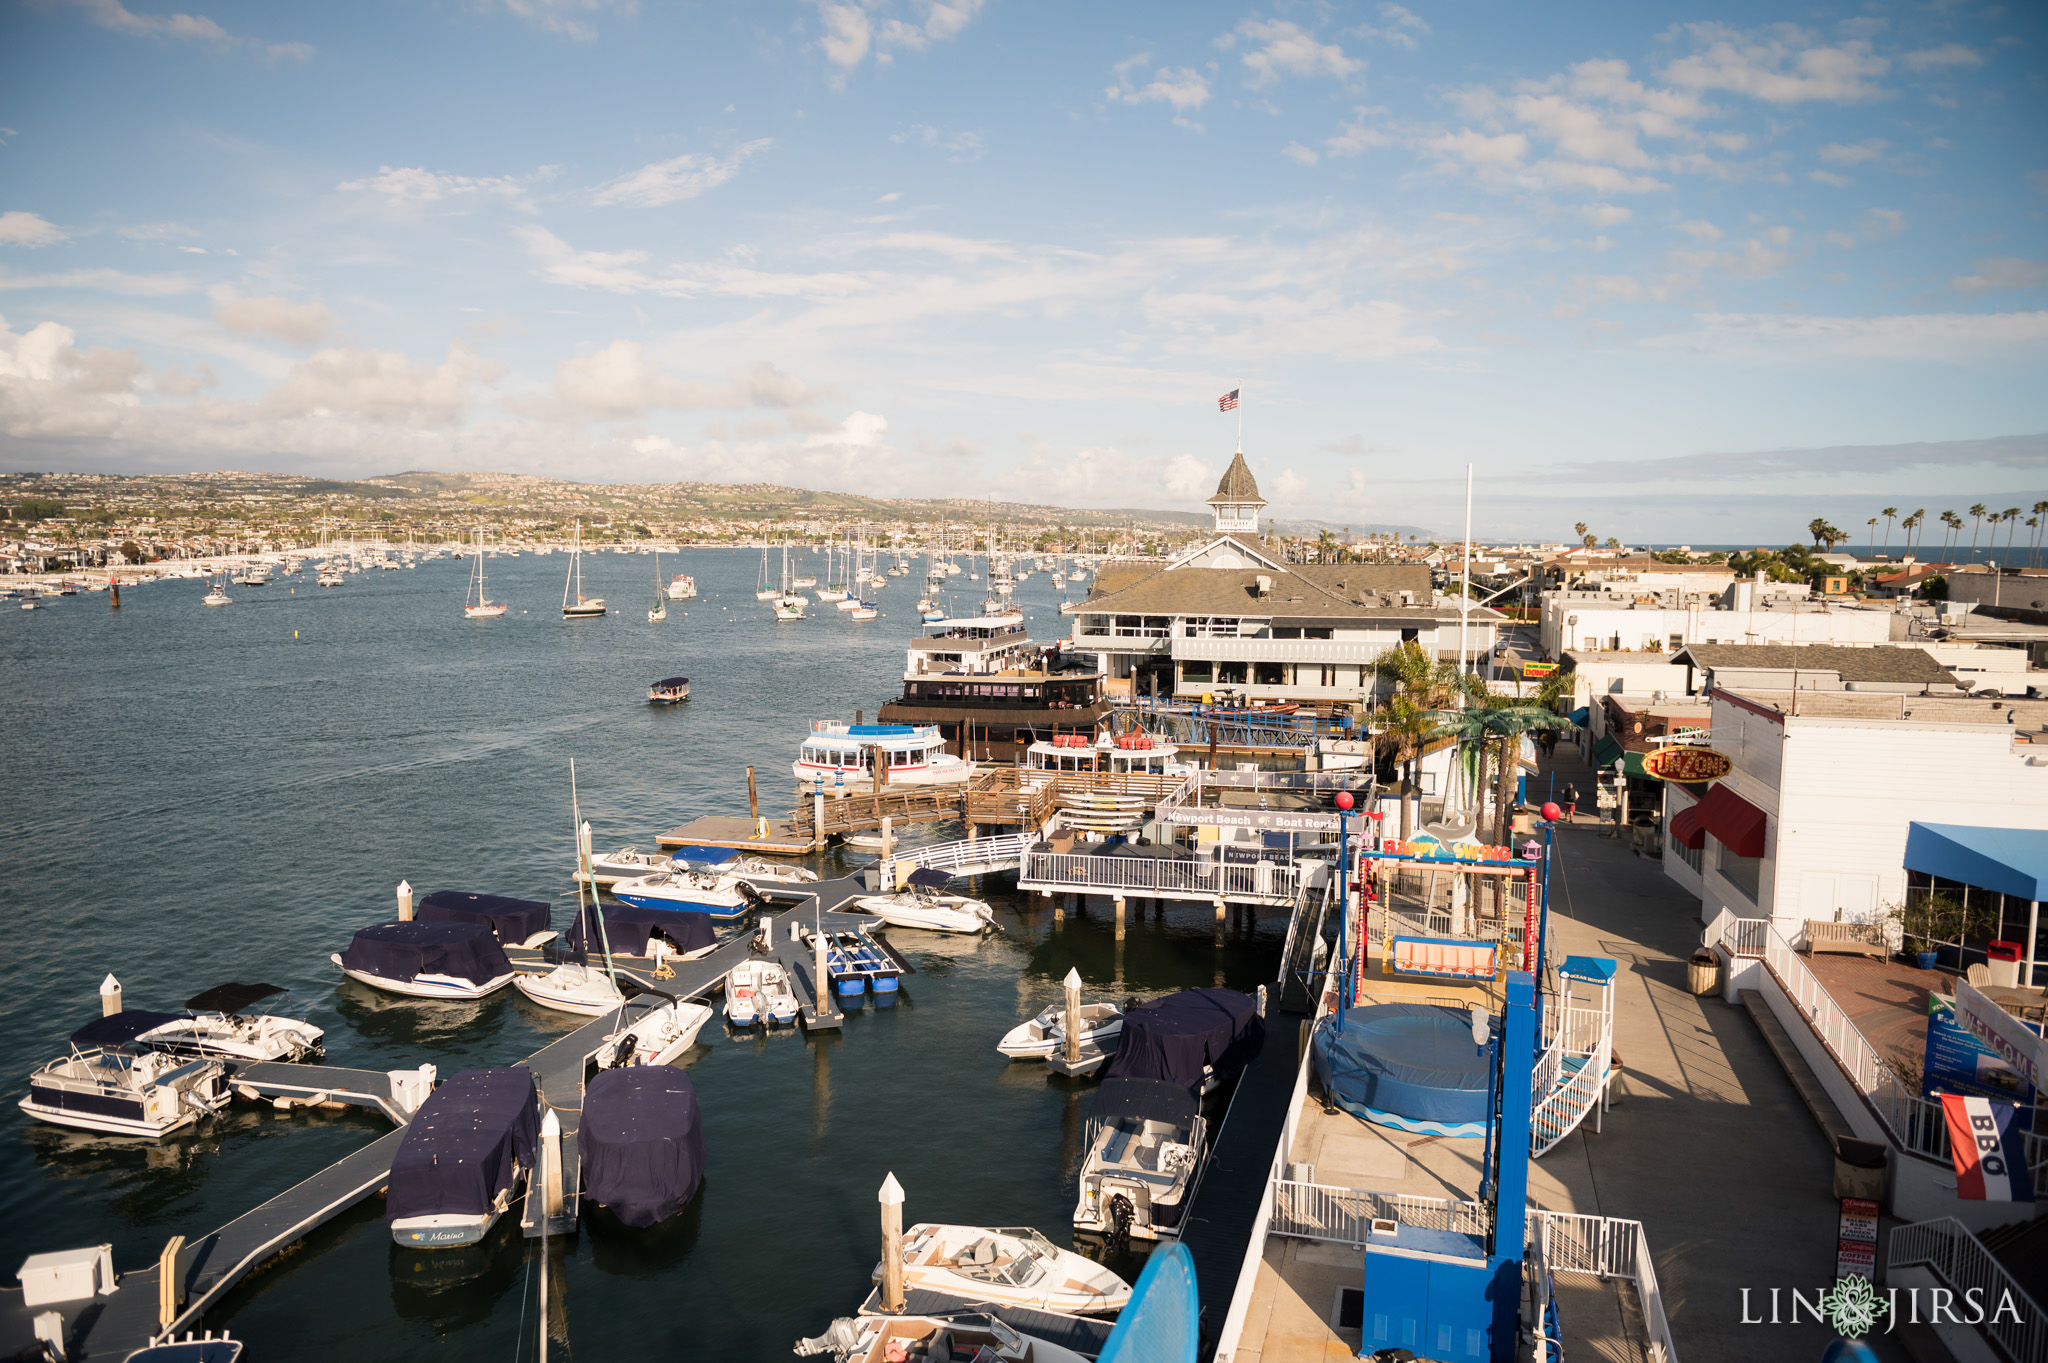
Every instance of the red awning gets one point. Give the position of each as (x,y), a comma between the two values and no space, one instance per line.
(1736,823)
(1686,829)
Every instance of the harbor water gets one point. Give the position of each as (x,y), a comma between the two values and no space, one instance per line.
(194,796)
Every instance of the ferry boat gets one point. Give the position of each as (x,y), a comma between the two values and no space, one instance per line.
(1136,754)
(682,587)
(847,756)
(991,690)
(669,691)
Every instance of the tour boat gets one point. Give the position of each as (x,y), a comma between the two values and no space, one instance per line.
(483,608)
(1042,1037)
(682,587)
(110,1084)
(427,960)
(217,595)
(924,905)
(844,756)
(463,1157)
(669,690)
(580,607)
(656,1037)
(1135,754)
(214,1026)
(689,889)
(758,991)
(1007,1266)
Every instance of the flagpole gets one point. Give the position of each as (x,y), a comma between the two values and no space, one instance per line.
(1240,416)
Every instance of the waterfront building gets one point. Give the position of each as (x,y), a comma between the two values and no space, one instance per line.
(1230,618)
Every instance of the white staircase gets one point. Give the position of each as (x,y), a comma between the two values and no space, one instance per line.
(966,857)
(1571,1078)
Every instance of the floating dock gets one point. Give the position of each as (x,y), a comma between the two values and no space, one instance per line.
(781,839)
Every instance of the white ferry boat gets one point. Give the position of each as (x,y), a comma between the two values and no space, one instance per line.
(846,756)
(1124,755)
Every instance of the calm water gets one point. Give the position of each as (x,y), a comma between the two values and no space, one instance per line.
(196,795)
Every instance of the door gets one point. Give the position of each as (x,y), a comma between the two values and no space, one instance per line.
(1817,895)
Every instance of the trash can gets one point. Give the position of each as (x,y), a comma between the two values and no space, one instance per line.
(1860,1168)
(1703,972)
(2004,960)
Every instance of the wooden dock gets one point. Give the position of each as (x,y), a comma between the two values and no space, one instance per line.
(780,838)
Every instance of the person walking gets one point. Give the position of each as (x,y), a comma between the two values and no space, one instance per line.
(1571,800)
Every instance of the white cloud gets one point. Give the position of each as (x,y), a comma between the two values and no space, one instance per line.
(1828,177)
(1289,488)
(1184,478)
(678,178)
(155,231)
(1951,338)
(2002,272)
(617,381)
(1880,223)
(299,324)
(1404,28)
(1700,230)
(1286,49)
(936,21)
(958,146)
(1840,154)
(570,18)
(1300,155)
(1184,88)
(1781,64)
(1605,215)
(112,14)
(404,186)
(1947,57)
(102,279)
(28,229)
(382,387)
(847,37)
(850,35)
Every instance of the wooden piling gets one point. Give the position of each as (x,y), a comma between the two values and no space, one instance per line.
(753,797)
(1072,984)
(170,1283)
(891,1198)
(1119,918)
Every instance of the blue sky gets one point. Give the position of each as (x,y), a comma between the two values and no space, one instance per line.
(1681,272)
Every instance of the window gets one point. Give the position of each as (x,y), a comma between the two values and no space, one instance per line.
(1315,632)
(1744,873)
(1691,856)
(1409,636)
(1677,642)
(1198,670)
(1286,631)
(1269,674)
(1230,674)
(1590,644)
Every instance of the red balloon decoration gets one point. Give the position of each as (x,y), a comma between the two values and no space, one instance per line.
(1344,800)
(1552,812)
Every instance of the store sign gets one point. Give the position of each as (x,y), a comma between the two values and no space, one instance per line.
(2002,1033)
(1268,820)
(1429,849)
(1531,671)
(1687,764)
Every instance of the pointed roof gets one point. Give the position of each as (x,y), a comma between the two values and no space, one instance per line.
(1238,485)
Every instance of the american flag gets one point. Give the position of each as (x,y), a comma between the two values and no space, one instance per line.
(1227,401)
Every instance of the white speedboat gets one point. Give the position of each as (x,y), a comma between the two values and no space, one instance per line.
(1144,1143)
(656,1037)
(216,595)
(753,869)
(464,1155)
(758,991)
(960,1334)
(110,1083)
(688,890)
(1042,1037)
(682,587)
(214,1026)
(924,905)
(864,611)
(627,863)
(572,988)
(427,960)
(1007,1266)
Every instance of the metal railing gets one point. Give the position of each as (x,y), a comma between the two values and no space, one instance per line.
(1962,1263)
(1162,875)
(949,856)
(1344,1216)
(1606,1247)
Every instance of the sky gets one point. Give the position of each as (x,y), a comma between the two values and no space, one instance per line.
(1696,272)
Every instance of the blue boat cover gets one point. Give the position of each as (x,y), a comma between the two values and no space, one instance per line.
(628,927)
(405,951)
(513,920)
(641,1142)
(1413,1060)
(118,1029)
(460,1148)
(877,731)
(1158,1100)
(1163,1321)
(694,855)
(1172,1038)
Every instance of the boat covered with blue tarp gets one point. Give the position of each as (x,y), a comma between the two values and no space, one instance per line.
(428,960)
(513,921)
(641,1142)
(464,1152)
(629,928)
(1175,1037)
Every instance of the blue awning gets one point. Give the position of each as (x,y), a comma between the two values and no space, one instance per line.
(2012,861)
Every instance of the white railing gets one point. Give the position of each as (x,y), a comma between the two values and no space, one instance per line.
(1742,936)
(1344,1216)
(1607,1247)
(1914,1123)
(1162,875)
(1962,1263)
(947,856)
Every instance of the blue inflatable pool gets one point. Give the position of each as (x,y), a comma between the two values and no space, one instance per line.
(1410,1066)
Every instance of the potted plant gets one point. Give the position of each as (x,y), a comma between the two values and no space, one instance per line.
(1926,919)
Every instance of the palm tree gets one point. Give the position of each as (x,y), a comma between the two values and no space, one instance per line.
(1912,524)
(1955,527)
(1497,722)
(2034,544)
(2040,519)
(1872,523)
(2012,518)
(1580,530)
(1976,515)
(1424,687)
(1890,513)
(1821,531)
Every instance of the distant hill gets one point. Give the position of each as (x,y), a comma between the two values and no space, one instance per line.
(1310,529)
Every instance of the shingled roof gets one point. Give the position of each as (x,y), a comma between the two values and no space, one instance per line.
(1301,591)
(1879,663)
(1237,484)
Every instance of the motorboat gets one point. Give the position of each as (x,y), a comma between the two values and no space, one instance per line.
(840,757)
(924,904)
(214,1025)
(657,934)
(689,889)
(728,862)
(464,1155)
(758,991)
(1132,754)
(1142,1156)
(217,595)
(972,1335)
(514,922)
(640,1144)
(1041,1037)
(657,1036)
(427,960)
(625,864)
(682,587)
(329,576)
(1007,1266)
(863,611)
(112,1082)
(669,690)
(572,988)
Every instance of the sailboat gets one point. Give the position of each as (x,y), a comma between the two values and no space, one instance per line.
(583,606)
(660,610)
(482,608)
(764,592)
(580,986)
(789,605)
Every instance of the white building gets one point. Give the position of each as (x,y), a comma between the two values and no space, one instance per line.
(1747,612)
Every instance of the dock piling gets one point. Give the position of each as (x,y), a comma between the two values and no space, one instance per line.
(1073,987)
(110,996)
(891,1198)
(551,1164)
(405,900)
(753,798)
(170,1283)
(1119,918)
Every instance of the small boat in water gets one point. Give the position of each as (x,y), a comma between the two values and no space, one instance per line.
(1041,1037)
(482,608)
(669,690)
(572,988)
(845,756)
(1143,1151)
(514,922)
(464,1156)
(924,904)
(627,863)
(112,1083)
(758,991)
(641,1143)
(1007,1266)
(216,595)
(689,888)
(214,1026)
(575,605)
(656,1037)
(427,960)
(970,1335)
(682,587)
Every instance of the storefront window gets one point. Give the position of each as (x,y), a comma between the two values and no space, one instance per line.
(1230,674)
(1197,670)
(1269,674)
(1744,873)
